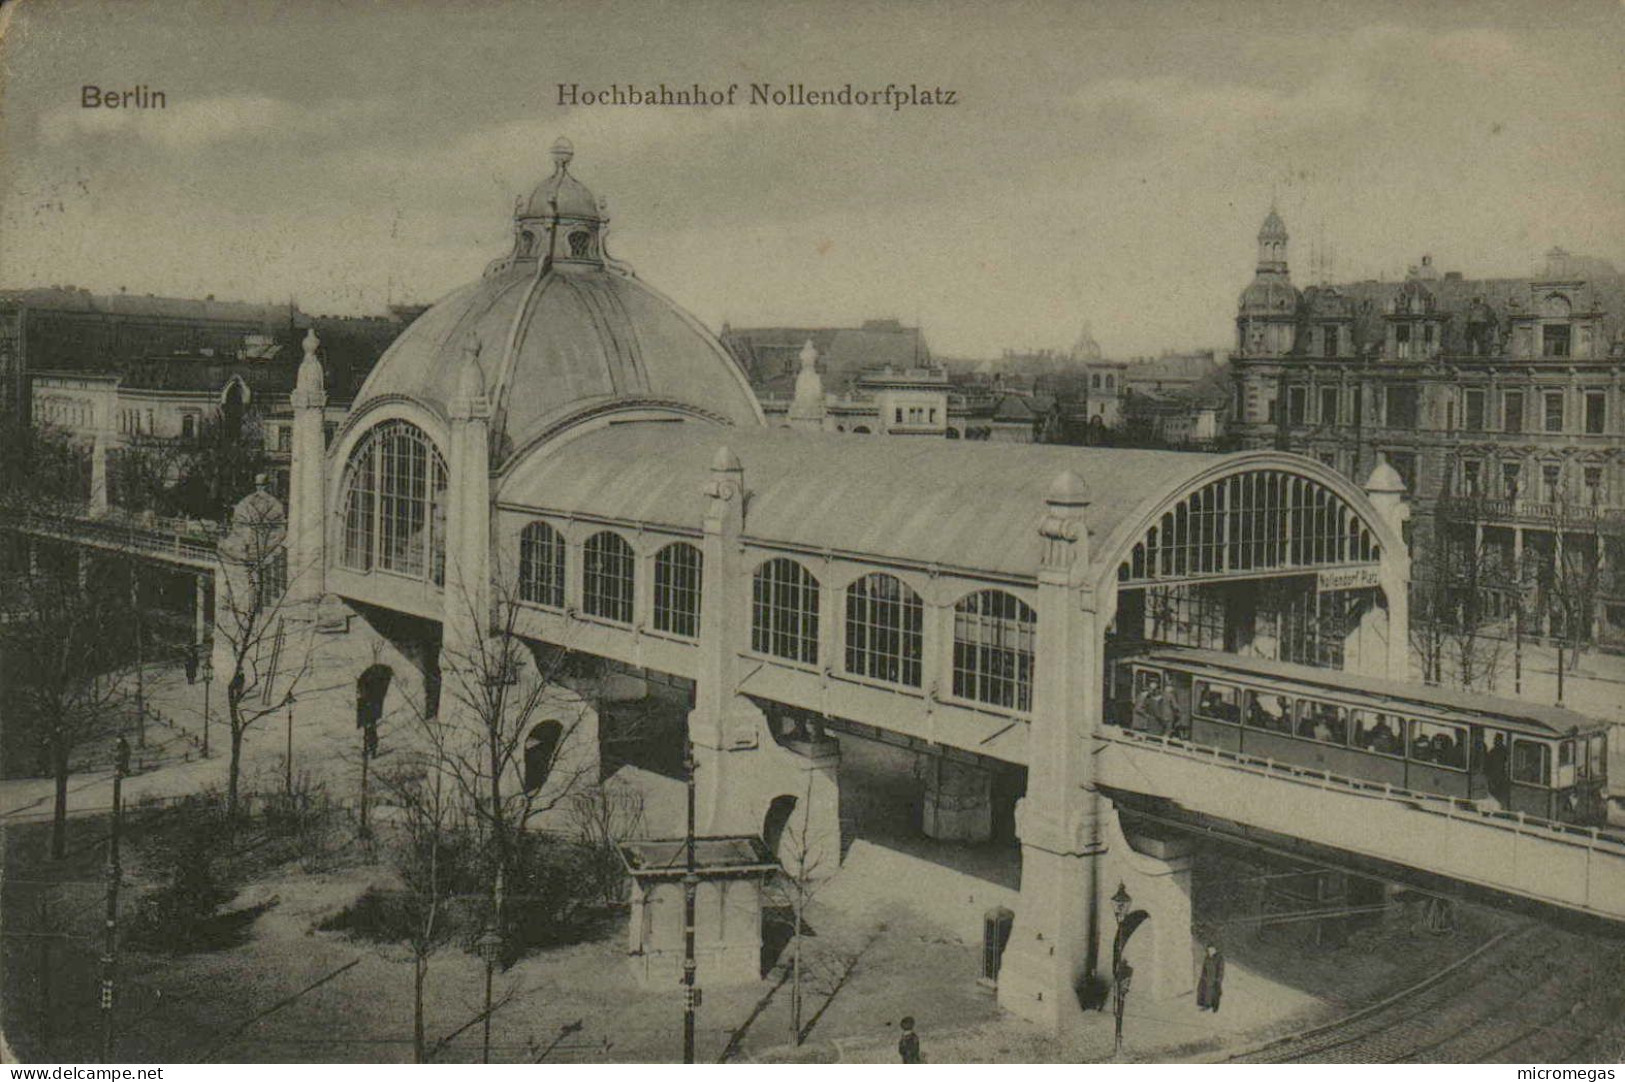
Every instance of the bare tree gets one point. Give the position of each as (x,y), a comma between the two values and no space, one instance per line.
(62,640)
(427,844)
(795,886)
(144,470)
(1573,580)
(603,816)
(1462,600)
(44,465)
(508,726)
(262,666)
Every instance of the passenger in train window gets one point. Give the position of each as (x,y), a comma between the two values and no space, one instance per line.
(1447,752)
(1322,730)
(1143,709)
(1495,769)
(1383,739)
(1421,748)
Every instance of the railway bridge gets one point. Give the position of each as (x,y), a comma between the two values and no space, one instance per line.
(557,452)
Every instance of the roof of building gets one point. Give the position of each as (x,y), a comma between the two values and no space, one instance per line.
(1499,299)
(941,503)
(714,855)
(769,354)
(209,374)
(549,340)
(69,299)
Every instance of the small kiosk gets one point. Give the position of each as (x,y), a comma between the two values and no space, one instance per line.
(733,873)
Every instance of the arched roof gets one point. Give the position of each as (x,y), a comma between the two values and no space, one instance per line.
(932,503)
(926,502)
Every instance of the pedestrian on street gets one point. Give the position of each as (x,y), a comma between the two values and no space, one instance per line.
(191,663)
(908,1045)
(1212,983)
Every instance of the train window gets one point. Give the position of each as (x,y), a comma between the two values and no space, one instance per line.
(1440,745)
(1531,762)
(1325,722)
(1216,702)
(1378,733)
(1565,764)
(1146,680)
(1596,757)
(1266,711)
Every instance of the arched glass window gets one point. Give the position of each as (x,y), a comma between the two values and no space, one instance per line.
(679,569)
(994,634)
(883,636)
(607,577)
(541,565)
(784,611)
(580,245)
(395,504)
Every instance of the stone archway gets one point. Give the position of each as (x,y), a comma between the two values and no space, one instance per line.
(776,820)
(541,750)
(371,689)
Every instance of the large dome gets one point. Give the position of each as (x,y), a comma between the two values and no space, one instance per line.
(1269,295)
(553,339)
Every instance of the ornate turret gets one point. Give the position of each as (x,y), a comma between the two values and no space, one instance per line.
(1266,323)
(560,223)
(807,410)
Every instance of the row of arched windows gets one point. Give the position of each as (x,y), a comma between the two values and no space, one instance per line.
(994,631)
(394,520)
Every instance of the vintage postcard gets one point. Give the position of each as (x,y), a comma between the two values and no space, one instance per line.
(828,532)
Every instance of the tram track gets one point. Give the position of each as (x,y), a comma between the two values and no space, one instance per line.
(1478,1010)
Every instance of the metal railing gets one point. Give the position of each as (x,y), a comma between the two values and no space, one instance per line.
(1451,807)
(181,540)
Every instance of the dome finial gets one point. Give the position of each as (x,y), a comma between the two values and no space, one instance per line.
(563,151)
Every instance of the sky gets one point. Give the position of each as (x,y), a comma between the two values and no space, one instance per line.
(1106,162)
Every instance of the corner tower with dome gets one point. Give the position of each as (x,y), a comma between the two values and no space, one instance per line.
(558,455)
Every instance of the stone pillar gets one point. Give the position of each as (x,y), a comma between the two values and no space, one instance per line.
(467,613)
(307,481)
(1387,494)
(1053,943)
(740,770)
(723,723)
(1154,870)
(98,474)
(958,801)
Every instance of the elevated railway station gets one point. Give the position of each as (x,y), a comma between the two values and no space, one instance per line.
(558,452)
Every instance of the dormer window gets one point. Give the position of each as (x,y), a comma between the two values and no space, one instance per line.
(1555,339)
(580,244)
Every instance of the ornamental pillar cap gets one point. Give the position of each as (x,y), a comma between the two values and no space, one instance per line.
(1067,490)
(725,461)
(1384,480)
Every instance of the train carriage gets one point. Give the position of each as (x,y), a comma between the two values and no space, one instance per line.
(1543,761)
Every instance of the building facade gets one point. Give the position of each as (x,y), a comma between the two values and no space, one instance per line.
(560,454)
(1499,402)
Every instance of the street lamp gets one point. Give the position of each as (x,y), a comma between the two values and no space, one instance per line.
(490,947)
(1120,969)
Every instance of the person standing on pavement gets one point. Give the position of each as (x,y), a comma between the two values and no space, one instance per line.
(908,1045)
(1212,983)
(191,663)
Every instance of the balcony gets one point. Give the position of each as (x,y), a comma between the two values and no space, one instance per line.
(1572,514)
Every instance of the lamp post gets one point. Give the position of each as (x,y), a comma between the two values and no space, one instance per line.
(691,880)
(490,944)
(208,678)
(121,767)
(1120,970)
